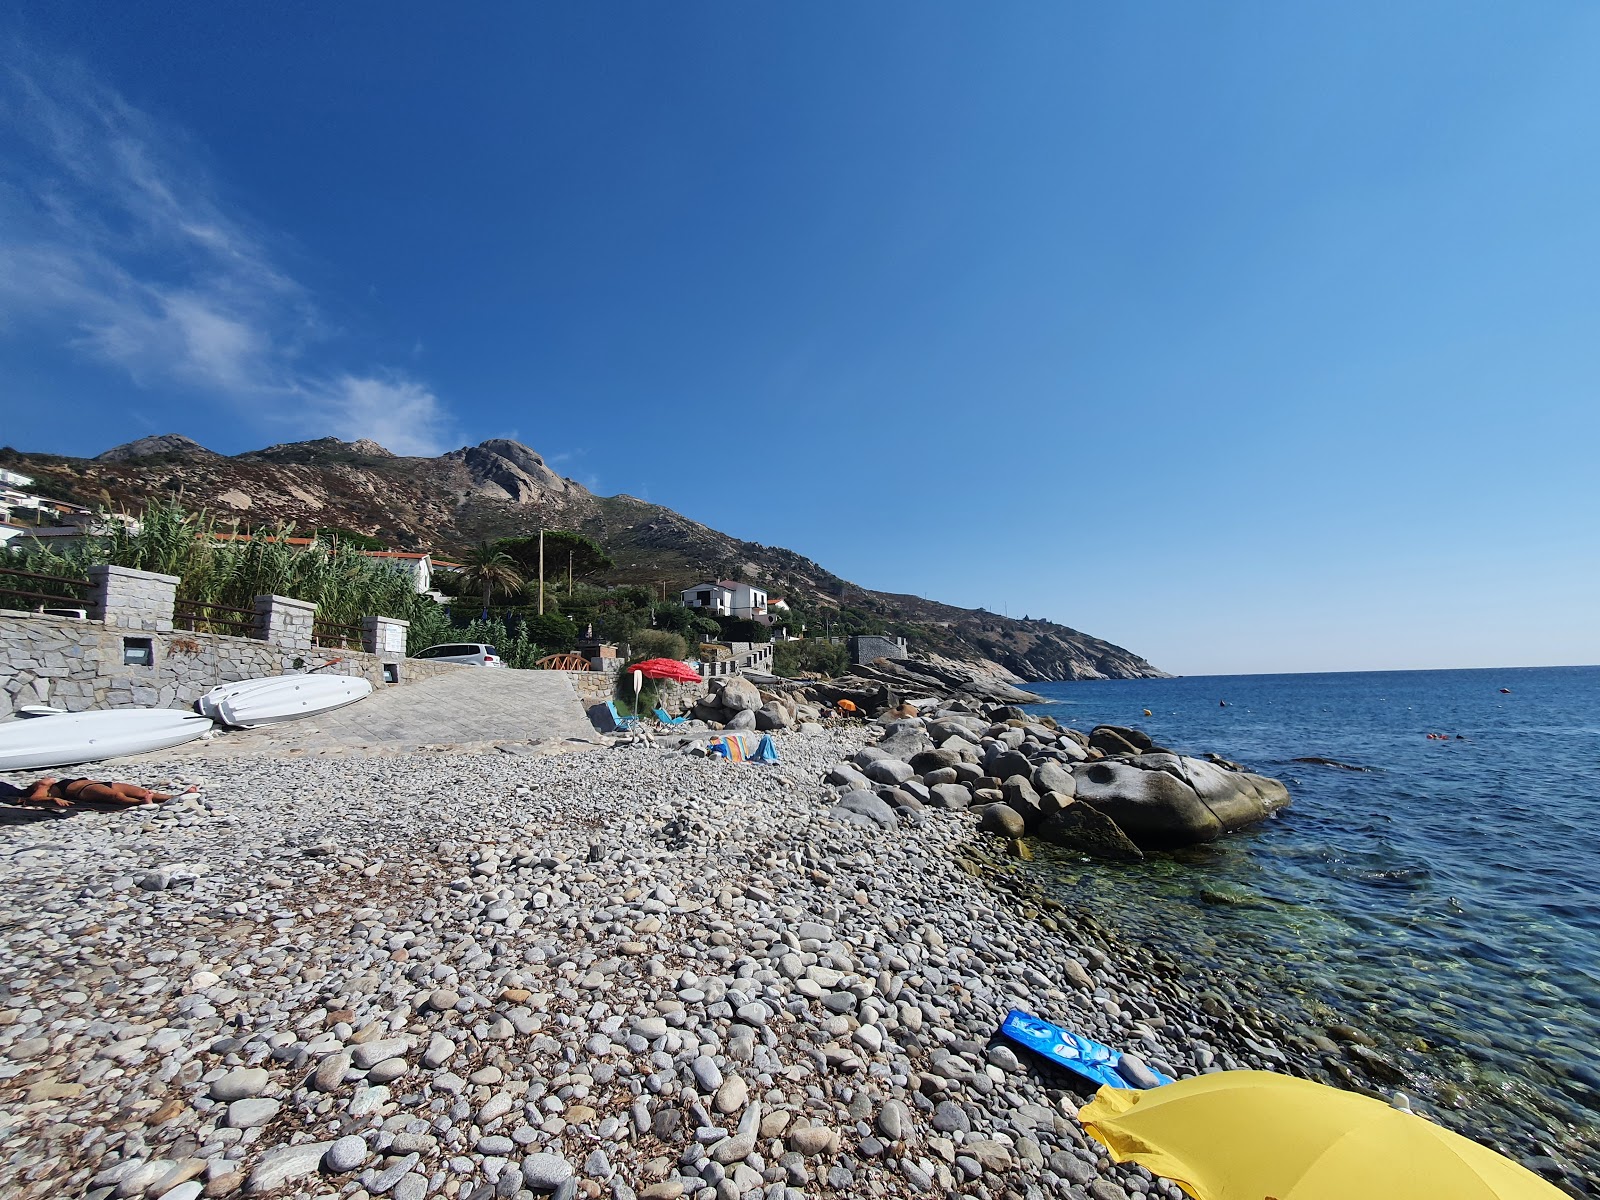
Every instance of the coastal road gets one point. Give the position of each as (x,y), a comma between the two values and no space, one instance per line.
(472,706)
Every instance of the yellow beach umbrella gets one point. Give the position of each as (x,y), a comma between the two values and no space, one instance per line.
(1256,1135)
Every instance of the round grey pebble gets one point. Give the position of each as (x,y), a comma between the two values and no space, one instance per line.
(346,1154)
(544,1172)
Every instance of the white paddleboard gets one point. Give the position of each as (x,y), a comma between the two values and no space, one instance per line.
(253,702)
(67,738)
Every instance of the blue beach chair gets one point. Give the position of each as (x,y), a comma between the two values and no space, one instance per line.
(661,715)
(619,721)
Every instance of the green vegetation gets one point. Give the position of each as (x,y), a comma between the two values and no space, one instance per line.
(486,569)
(810,656)
(349,537)
(567,556)
(657,643)
(556,632)
(343,584)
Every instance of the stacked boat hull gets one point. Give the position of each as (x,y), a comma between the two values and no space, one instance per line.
(61,739)
(253,702)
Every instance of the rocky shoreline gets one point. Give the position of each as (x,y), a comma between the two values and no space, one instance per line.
(632,972)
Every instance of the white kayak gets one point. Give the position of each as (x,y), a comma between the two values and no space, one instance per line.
(61,739)
(253,702)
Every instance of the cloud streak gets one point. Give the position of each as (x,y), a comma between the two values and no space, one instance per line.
(115,243)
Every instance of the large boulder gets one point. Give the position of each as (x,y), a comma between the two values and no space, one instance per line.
(740,694)
(1006,763)
(863,808)
(948,795)
(932,760)
(772,716)
(743,719)
(1115,739)
(1004,820)
(888,770)
(1085,828)
(1053,777)
(1163,801)
(1019,794)
(1236,798)
(845,776)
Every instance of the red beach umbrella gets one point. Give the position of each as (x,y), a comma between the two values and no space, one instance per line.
(667,668)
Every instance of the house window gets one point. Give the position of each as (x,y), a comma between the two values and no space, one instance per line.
(138,652)
(703,598)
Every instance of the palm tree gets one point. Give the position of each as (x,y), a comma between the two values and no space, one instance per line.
(490,569)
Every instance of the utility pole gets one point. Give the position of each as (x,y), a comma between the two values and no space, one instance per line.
(569,572)
(541,572)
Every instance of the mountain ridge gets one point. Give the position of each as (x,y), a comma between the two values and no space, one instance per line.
(502,488)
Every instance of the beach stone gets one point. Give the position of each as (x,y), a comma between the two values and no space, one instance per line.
(346,1154)
(330,1072)
(251,1113)
(706,1073)
(440,1051)
(370,1054)
(388,1070)
(239,1084)
(285,1164)
(545,1172)
(811,1140)
(732,1095)
(894,1120)
(949,1117)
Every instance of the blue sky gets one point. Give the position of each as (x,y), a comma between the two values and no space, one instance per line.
(1252,337)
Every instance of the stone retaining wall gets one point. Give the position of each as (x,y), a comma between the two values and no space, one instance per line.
(79,665)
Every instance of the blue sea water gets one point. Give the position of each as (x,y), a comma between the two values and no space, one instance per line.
(1447,900)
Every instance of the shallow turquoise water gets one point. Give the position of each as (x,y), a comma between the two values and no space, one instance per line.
(1447,901)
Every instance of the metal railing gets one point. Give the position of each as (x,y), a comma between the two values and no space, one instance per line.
(65,591)
(201,616)
(330,635)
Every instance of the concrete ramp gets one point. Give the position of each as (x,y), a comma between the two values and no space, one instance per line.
(469,707)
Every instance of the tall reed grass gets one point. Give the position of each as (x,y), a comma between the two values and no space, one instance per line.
(214,567)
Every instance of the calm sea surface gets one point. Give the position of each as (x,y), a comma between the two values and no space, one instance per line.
(1447,901)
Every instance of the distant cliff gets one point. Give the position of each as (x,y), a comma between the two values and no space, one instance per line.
(502,488)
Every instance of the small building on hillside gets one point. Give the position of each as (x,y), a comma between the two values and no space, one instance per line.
(728,598)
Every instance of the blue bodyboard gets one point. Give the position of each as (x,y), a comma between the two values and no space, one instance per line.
(1078,1054)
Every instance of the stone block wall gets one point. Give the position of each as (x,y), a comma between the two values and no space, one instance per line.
(130,599)
(79,665)
(870,647)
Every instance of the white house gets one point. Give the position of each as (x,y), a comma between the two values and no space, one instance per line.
(715,597)
(417,567)
(15,480)
(728,598)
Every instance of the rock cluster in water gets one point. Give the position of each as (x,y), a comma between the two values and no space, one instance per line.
(1110,792)
(625,973)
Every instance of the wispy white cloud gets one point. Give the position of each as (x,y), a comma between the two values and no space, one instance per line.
(115,241)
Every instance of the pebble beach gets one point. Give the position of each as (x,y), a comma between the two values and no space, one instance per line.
(628,972)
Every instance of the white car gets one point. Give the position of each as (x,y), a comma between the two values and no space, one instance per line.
(474,654)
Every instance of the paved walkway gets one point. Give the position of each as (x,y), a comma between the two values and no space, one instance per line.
(473,706)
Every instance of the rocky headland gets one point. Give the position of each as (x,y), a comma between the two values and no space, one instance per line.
(631,972)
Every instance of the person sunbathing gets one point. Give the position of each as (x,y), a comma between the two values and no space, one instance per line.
(64,793)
